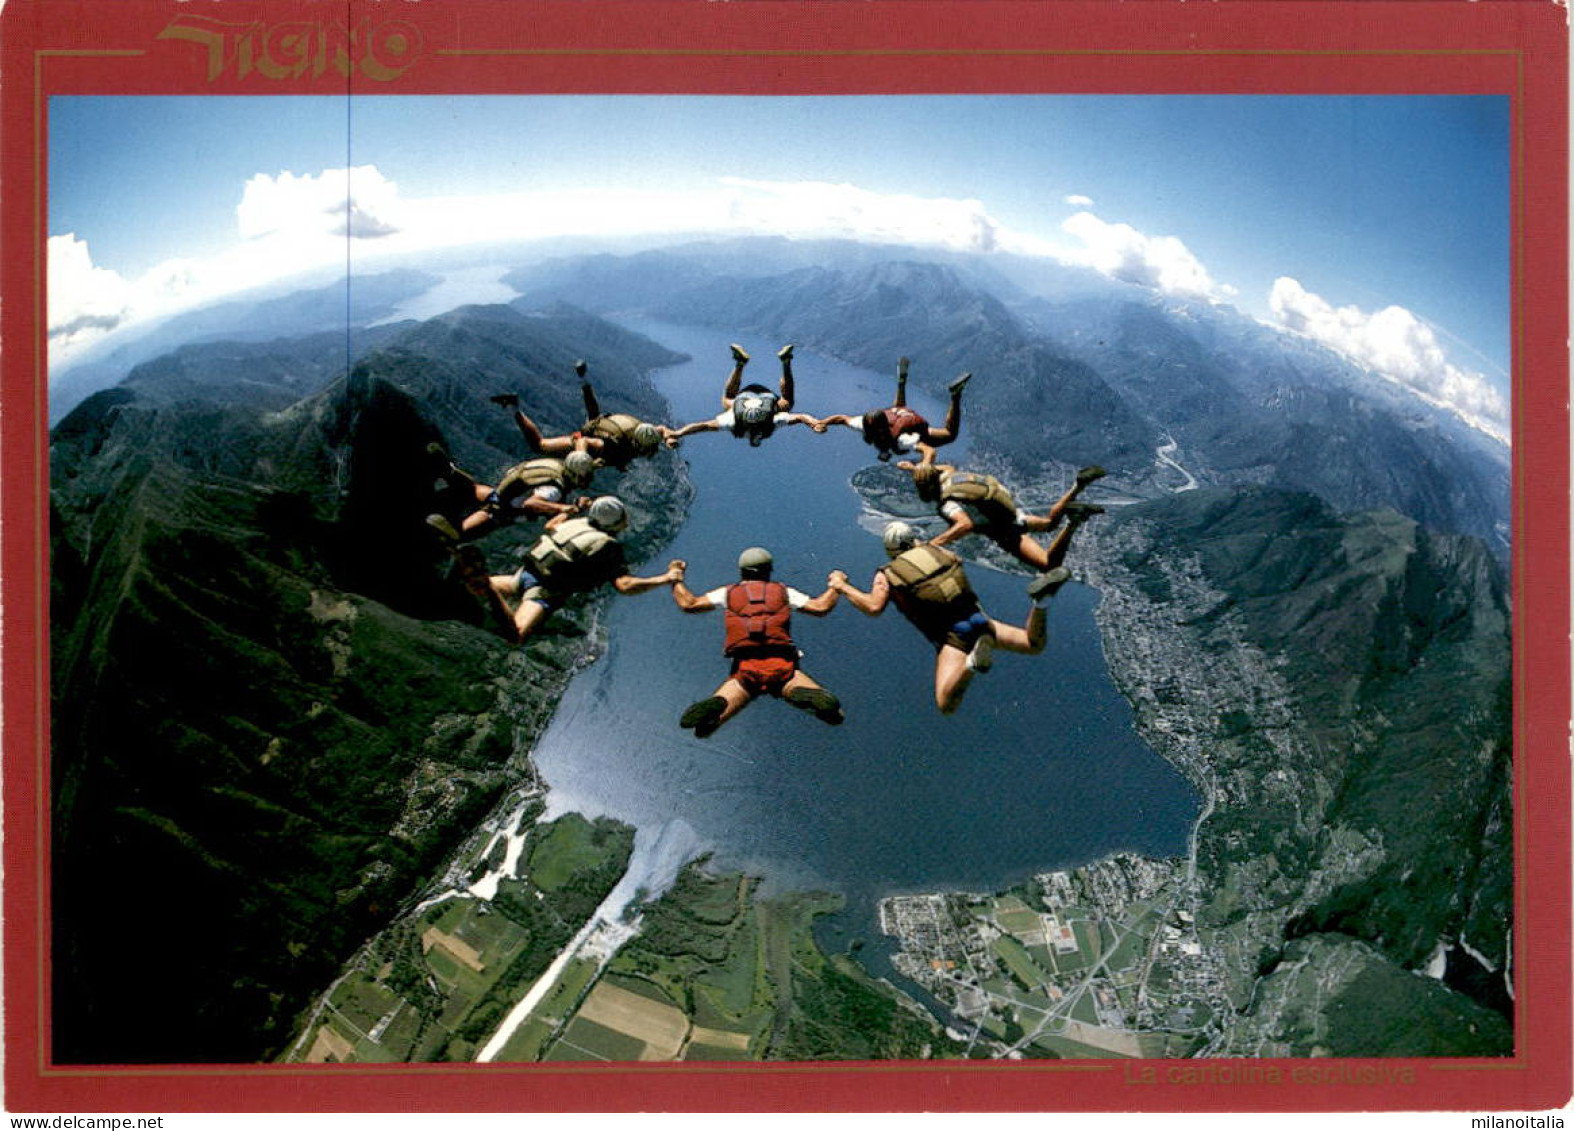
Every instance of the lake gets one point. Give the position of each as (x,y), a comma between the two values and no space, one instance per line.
(1039,770)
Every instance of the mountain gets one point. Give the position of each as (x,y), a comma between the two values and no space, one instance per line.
(273,713)
(1082,371)
(346,304)
(1338,687)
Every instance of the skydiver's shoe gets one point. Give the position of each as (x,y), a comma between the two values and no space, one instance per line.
(704,717)
(507,400)
(443,527)
(982,657)
(1081,512)
(901,366)
(785,353)
(883,457)
(959,384)
(1048,583)
(580,369)
(739,355)
(1088,474)
(825,706)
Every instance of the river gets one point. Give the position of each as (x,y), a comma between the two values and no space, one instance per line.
(1039,770)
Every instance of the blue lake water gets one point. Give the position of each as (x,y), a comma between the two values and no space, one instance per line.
(1040,769)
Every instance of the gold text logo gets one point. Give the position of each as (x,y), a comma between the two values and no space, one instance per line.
(380,51)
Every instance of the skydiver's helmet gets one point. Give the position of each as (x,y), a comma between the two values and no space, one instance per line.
(754,414)
(608,513)
(926,477)
(755,562)
(646,439)
(898,538)
(578,467)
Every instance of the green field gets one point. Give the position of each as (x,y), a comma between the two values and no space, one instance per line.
(1020,963)
(586,1040)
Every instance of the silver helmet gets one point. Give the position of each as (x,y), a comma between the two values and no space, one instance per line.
(898,537)
(608,513)
(578,467)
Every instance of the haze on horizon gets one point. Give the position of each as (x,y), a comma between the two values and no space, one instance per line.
(1376,225)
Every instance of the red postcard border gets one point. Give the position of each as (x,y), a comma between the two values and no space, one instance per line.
(1513,47)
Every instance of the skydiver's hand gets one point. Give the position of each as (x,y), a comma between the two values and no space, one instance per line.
(836,580)
(817,425)
(582,504)
(906,464)
(676,569)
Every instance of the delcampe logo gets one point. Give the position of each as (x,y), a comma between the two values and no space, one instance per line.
(380,51)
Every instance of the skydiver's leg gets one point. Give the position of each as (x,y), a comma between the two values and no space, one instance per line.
(953,414)
(735,378)
(476,524)
(527,428)
(804,693)
(1043,559)
(901,383)
(1085,476)
(1028,640)
(784,402)
(1031,553)
(952,675)
(528,617)
(592,406)
(705,716)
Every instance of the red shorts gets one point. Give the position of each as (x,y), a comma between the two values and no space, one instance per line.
(764,675)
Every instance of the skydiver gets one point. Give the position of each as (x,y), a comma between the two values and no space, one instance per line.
(753,412)
(759,643)
(898,429)
(536,488)
(929,587)
(973,502)
(575,554)
(615,439)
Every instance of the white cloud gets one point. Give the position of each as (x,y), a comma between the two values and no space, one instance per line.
(359,203)
(1397,345)
(1077,200)
(1162,263)
(85,302)
(821,209)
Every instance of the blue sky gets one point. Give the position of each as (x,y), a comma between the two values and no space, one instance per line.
(1366,204)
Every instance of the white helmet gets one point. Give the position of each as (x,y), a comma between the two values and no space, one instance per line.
(578,467)
(898,537)
(608,513)
(646,439)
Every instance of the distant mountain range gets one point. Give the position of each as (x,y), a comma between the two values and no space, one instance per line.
(1079,370)
(273,714)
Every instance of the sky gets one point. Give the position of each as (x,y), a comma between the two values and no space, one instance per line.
(1376,224)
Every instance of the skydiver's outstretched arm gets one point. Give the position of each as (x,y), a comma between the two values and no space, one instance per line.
(685,598)
(843,419)
(629,585)
(689,429)
(960,525)
(824,603)
(804,418)
(871,603)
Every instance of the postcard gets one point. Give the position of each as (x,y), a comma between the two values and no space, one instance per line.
(643,555)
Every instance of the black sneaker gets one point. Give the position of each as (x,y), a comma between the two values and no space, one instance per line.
(1088,474)
(739,354)
(825,706)
(580,369)
(704,717)
(785,353)
(1048,583)
(507,400)
(1081,512)
(959,384)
